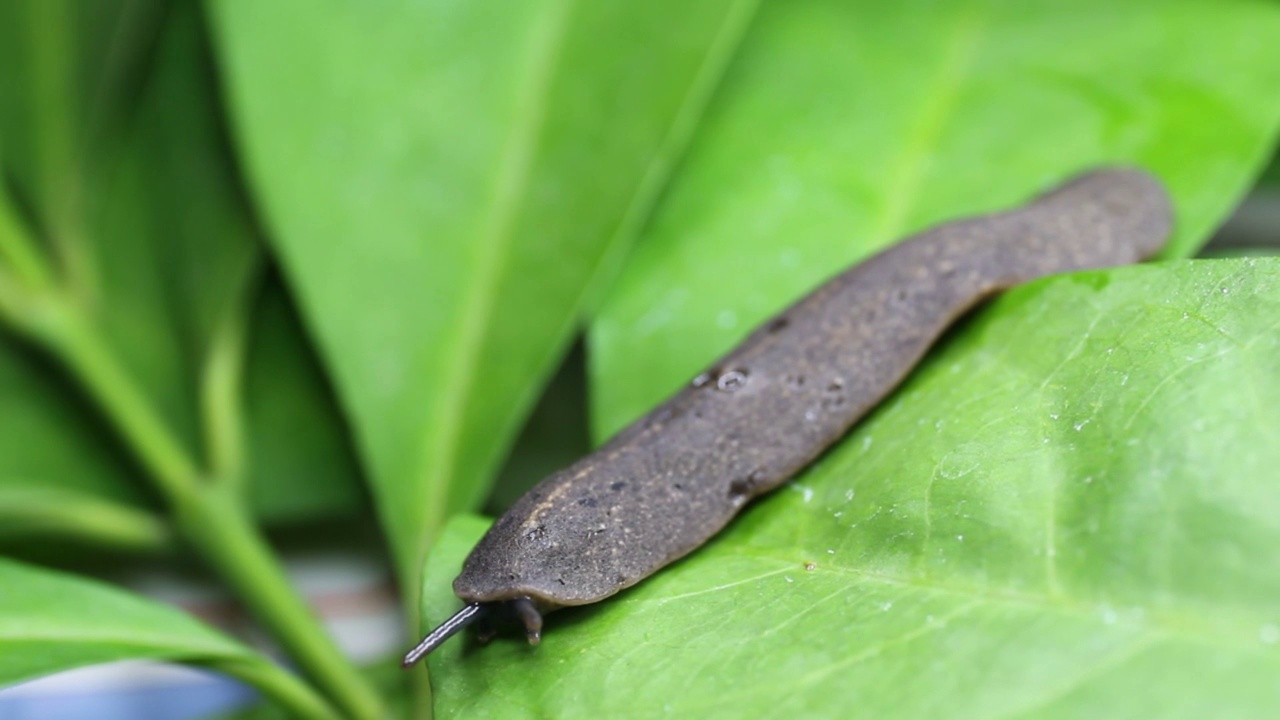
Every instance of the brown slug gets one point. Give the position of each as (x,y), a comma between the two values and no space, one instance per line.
(668,482)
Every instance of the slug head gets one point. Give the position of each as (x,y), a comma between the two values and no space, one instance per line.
(484,614)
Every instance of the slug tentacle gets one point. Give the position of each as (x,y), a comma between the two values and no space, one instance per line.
(447,629)
(529,616)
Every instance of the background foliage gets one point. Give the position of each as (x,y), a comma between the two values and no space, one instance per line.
(262,261)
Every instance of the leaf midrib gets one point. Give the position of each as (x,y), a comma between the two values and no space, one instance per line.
(939,100)
(439,456)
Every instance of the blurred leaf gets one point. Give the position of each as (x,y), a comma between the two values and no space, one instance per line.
(1252,230)
(445,182)
(555,435)
(69,75)
(146,229)
(170,251)
(843,127)
(39,511)
(48,437)
(165,254)
(1068,511)
(302,465)
(1271,176)
(51,622)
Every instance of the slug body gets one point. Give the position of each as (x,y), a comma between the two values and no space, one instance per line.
(664,485)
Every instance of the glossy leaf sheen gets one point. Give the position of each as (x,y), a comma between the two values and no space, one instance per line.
(843,127)
(1069,510)
(445,181)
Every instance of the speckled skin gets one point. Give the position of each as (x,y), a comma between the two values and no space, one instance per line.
(664,485)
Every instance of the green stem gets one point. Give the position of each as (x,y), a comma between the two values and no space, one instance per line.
(221,389)
(71,337)
(283,687)
(217,524)
(208,514)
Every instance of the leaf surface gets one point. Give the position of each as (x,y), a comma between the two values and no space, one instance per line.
(1068,510)
(114,149)
(446,183)
(844,127)
(52,621)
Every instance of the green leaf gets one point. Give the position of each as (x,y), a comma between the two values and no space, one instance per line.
(69,73)
(556,434)
(135,206)
(1271,176)
(1069,510)
(51,622)
(32,510)
(48,437)
(151,232)
(301,462)
(298,461)
(138,204)
(169,254)
(844,127)
(446,183)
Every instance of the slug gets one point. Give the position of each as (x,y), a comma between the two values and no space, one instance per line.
(668,482)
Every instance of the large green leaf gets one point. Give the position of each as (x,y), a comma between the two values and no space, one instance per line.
(1069,510)
(844,126)
(51,622)
(445,181)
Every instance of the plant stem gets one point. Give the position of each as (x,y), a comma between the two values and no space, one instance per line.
(217,524)
(285,688)
(71,337)
(221,386)
(208,514)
